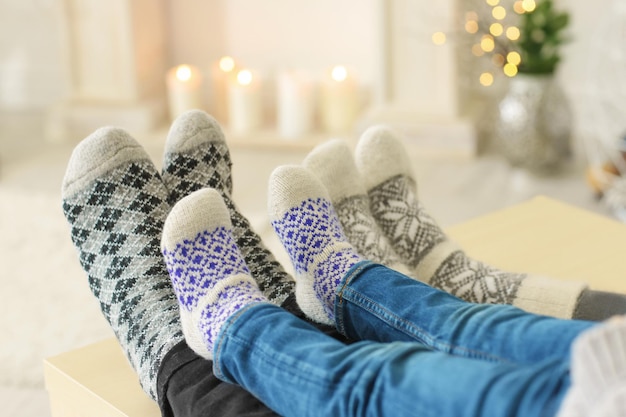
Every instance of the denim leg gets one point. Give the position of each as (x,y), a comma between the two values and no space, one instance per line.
(380,304)
(298,371)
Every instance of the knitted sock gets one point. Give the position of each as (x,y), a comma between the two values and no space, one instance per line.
(305,221)
(115,202)
(424,247)
(208,273)
(197,156)
(598,372)
(333,164)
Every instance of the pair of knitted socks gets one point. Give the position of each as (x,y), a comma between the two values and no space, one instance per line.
(116,203)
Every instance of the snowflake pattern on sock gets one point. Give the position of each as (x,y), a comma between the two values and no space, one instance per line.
(197,266)
(475,281)
(116,224)
(313,238)
(413,233)
(209,165)
(362,231)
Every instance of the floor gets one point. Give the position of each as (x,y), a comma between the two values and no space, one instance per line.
(452,189)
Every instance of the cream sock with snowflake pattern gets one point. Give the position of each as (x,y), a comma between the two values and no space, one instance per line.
(416,237)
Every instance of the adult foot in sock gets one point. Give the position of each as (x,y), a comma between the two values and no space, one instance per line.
(419,241)
(307,225)
(197,156)
(333,164)
(116,203)
(208,272)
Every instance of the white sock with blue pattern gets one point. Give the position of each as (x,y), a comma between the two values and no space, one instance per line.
(307,225)
(208,272)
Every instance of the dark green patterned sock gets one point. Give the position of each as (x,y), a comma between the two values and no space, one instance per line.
(197,156)
(116,204)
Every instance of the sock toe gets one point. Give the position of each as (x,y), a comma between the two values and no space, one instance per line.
(192,129)
(290,185)
(199,211)
(332,162)
(196,156)
(101,152)
(380,155)
(115,202)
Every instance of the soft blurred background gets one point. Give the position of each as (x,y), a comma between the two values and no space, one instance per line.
(497,101)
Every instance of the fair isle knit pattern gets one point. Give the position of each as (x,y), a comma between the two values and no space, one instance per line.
(362,231)
(413,233)
(312,235)
(116,223)
(198,266)
(197,157)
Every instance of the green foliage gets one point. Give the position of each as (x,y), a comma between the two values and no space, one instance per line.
(541,35)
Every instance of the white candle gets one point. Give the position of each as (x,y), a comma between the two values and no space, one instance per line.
(222,73)
(295,104)
(339,103)
(245,114)
(184,89)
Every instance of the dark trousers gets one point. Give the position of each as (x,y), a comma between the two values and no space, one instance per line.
(187,386)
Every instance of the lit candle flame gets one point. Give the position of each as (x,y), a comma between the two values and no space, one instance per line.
(339,73)
(227,64)
(183,72)
(244,77)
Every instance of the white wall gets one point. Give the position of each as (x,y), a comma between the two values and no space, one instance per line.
(270,35)
(33,68)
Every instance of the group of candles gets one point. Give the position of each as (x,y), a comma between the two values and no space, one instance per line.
(238,98)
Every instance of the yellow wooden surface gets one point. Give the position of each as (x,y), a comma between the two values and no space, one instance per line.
(541,236)
(547,237)
(96,380)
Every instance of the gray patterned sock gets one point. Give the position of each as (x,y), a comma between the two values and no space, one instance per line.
(333,164)
(115,202)
(423,246)
(197,156)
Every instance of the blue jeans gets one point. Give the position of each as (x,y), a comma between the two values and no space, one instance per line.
(420,352)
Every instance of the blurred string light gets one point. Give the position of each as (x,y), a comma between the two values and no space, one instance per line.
(497,38)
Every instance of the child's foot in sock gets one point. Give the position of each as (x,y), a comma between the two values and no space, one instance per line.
(424,247)
(307,225)
(208,273)
(333,164)
(116,203)
(598,372)
(197,156)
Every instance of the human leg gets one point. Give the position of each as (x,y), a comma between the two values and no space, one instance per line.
(197,156)
(416,237)
(116,204)
(297,370)
(376,303)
